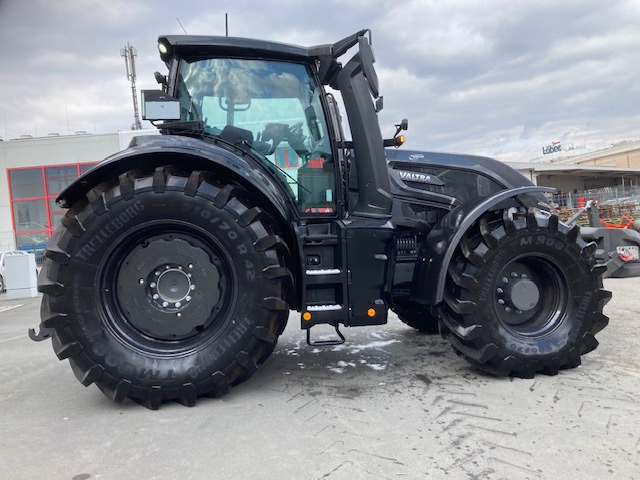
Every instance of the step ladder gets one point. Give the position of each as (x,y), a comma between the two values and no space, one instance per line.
(325,279)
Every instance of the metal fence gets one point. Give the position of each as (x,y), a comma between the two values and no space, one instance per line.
(604,196)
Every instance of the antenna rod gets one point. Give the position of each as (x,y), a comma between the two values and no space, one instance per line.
(180,23)
(226,24)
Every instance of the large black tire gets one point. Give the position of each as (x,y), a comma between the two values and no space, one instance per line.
(165,285)
(524,296)
(416,316)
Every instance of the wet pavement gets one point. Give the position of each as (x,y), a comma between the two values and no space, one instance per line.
(389,404)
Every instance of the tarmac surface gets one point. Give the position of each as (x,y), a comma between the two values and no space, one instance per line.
(388,404)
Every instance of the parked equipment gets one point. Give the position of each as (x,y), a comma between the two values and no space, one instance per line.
(175,268)
(618,243)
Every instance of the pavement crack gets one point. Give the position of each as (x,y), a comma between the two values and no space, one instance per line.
(395,461)
(328,474)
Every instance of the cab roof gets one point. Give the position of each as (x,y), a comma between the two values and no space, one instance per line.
(201,45)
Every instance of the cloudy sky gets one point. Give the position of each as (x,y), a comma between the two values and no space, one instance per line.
(495,77)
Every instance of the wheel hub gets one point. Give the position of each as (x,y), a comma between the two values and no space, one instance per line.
(522,294)
(530,295)
(173,285)
(517,294)
(169,288)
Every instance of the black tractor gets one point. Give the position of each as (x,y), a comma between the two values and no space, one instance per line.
(178,261)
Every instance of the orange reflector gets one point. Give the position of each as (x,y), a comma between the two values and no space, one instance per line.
(400,140)
(371,312)
(306,316)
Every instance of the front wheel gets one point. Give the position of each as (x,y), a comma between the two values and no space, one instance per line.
(524,296)
(165,285)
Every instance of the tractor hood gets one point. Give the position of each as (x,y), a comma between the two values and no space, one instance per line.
(448,178)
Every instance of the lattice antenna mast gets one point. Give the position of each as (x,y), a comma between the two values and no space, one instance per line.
(130,53)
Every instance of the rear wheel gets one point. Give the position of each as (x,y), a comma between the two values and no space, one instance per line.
(524,296)
(165,286)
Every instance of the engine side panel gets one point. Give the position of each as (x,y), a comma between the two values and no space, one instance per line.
(437,197)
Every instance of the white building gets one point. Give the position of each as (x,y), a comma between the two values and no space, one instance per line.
(35,171)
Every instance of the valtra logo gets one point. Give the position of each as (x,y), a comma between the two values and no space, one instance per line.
(419,177)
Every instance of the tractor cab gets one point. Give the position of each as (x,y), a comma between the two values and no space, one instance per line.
(272,107)
(269,101)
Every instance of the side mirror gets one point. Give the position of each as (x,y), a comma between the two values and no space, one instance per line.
(397,140)
(157,105)
(161,79)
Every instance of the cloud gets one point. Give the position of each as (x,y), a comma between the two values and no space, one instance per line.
(497,77)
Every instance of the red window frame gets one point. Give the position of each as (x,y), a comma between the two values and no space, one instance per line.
(47,197)
(288,162)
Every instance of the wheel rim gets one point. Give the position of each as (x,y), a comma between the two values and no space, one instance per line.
(167,287)
(531,296)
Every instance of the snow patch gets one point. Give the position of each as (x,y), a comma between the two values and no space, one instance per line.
(376,366)
(377,345)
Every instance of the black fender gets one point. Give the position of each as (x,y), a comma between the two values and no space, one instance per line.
(150,151)
(437,250)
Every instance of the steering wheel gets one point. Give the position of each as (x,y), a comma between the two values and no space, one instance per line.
(296,138)
(278,132)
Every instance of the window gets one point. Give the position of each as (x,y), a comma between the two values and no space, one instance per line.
(271,107)
(286,158)
(33,192)
(59,178)
(30,215)
(26,183)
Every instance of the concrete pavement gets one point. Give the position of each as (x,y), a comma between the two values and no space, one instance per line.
(389,404)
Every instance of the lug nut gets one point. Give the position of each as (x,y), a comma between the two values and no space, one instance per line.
(152,284)
(157,273)
(178,304)
(179,267)
(167,267)
(141,281)
(191,265)
(514,275)
(193,287)
(499,290)
(501,301)
(178,314)
(188,298)
(156,296)
(505,280)
(165,304)
(507,309)
(523,276)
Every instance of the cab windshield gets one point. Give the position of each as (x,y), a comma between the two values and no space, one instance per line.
(275,108)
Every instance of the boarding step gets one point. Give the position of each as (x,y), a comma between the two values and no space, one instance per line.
(324,271)
(325,343)
(323,308)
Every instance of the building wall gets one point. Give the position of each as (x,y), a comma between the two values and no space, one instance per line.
(46,152)
(628,159)
(38,152)
(562,183)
